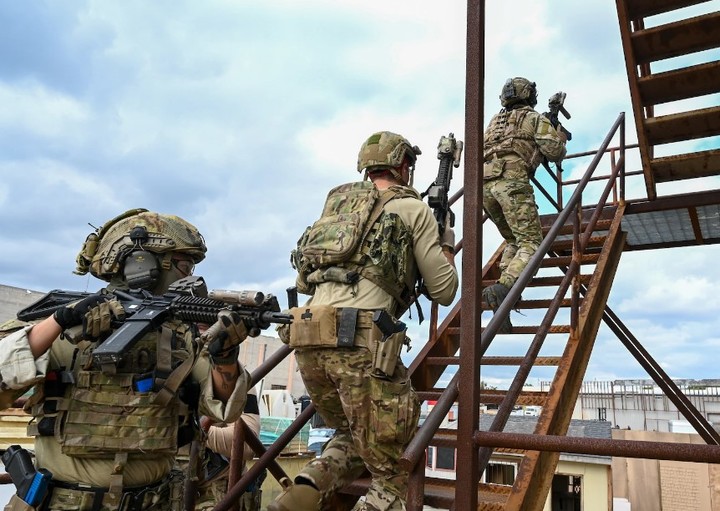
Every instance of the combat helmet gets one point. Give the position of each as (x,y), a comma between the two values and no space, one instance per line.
(516,90)
(386,150)
(151,237)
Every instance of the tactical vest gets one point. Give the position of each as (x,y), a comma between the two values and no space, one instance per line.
(510,133)
(355,237)
(93,414)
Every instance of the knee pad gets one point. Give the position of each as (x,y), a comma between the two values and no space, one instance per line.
(298,497)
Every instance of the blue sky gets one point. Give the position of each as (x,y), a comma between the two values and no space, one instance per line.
(240,116)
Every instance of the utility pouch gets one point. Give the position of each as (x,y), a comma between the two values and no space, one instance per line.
(313,327)
(387,354)
(493,169)
(18,504)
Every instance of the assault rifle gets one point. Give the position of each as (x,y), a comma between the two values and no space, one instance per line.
(187,300)
(556,106)
(449,151)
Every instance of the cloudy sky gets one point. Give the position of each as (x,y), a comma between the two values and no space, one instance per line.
(239,116)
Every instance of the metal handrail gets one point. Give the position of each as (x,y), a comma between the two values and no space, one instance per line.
(422,439)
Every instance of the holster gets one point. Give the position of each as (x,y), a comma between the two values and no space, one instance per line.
(387,354)
(18,504)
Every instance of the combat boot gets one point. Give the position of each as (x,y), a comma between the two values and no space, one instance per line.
(494,296)
(298,497)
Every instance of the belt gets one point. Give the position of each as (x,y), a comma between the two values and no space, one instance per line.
(131,498)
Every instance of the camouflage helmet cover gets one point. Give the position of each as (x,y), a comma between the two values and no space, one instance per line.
(518,89)
(385,149)
(105,249)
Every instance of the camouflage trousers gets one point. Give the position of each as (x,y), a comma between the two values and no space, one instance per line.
(163,496)
(510,204)
(374,420)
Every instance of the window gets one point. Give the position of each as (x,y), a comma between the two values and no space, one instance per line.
(602,414)
(445,458)
(429,456)
(277,387)
(500,473)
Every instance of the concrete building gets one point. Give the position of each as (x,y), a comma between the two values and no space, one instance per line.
(581,482)
(642,405)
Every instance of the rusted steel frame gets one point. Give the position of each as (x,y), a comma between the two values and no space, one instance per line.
(605,177)
(679,399)
(534,478)
(237,456)
(506,407)
(615,188)
(433,333)
(456,196)
(622,159)
(547,195)
(191,475)
(234,493)
(416,484)
(590,153)
(273,360)
(599,207)
(471,290)
(699,453)
(577,251)
(631,65)
(416,448)
(559,187)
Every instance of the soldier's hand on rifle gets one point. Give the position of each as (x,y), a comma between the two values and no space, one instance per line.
(561,133)
(225,336)
(98,314)
(447,238)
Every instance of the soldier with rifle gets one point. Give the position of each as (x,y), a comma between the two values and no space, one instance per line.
(360,261)
(107,428)
(515,142)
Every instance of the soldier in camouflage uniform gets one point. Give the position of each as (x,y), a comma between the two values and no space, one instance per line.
(372,406)
(515,142)
(109,435)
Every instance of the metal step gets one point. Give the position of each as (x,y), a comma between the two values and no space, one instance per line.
(685,166)
(494,361)
(684,83)
(678,38)
(642,8)
(694,124)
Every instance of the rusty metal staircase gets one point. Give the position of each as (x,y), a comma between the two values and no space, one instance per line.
(648,46)
(577,239)
(599,261)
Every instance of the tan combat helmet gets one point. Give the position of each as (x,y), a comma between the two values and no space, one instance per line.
(386,150)
(516,90)
(106,249)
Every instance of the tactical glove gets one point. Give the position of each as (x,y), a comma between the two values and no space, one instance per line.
(224,337)
(447,239)
(96,313)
